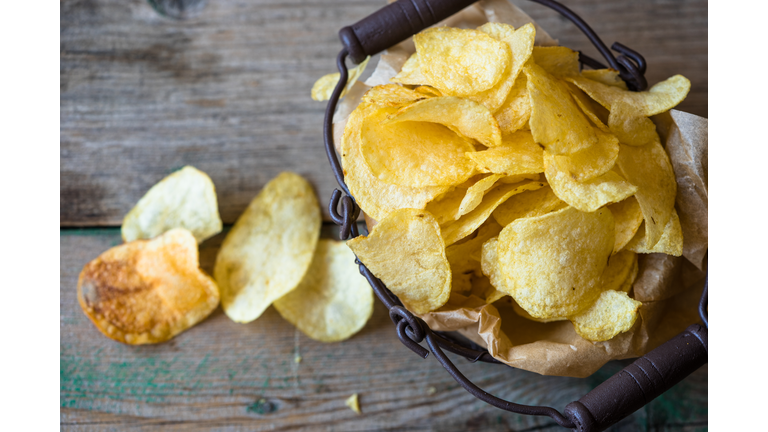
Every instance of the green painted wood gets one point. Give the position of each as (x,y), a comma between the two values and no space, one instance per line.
(227,376)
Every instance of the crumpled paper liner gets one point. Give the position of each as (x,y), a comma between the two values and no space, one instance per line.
(669,287)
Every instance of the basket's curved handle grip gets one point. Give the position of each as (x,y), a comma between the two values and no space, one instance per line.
(642,381)
(395,23)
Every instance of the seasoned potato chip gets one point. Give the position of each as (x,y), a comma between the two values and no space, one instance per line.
(333,301)
(514,113)
(406,252)
(147,291)
(414,154)
(648,167)
(593,110)
(410,74)
(518,154)
(586,196)
(466,117)
(269,248)
(429,91)
(392,95)
(553,263)
(461,256)
(460,62)
(520,43)
(613,313)
(374,196)
(475,194)
(528,204)
(184,199)
(558,61)
(619,269)
(630,126)
(323,88)
(606,76)
(593,161)
(670,243)
(468,223)
(556,122)
(628,217)
(659,98)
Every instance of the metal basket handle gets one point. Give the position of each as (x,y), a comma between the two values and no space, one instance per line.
(619,396)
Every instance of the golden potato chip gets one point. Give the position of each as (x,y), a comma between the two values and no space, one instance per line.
(528,204)
(410,74)
(586,196)
(518,154)
(619,269)
(593,161)
(661,97)
(333,301)
(628,217)
(553,263)
(521,312)
(467,224)
(392,95)
(475,194)
(184,199)
(269,248)
(517,178)
(466,117)
(630,280)
(445,207)
(414,154)
(630,126)
(429,91)
(323,88)
(406,252)
(460,62)
(375,197)
(593,110)
(482,288)
(461,256)
(648,168)
(606,76)
(353,404)
(514,113)
(556,122)
(613,313)
(670,243)
(558,61)
(147,291)
(520,43)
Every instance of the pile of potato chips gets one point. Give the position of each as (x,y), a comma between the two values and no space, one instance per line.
(497,168)
(152,288)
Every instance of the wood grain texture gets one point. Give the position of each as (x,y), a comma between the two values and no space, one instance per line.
(221,375)
(228,89)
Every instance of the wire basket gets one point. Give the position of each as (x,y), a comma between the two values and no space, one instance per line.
(627,391)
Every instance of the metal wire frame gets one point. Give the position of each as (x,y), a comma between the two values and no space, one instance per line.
(412,330)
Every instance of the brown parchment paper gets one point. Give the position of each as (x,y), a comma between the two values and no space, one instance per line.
(669,287)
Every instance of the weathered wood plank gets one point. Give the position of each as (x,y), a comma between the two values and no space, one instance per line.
(228,90)
(227,376)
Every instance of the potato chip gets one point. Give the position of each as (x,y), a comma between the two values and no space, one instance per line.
(414,154)
(586,196)
(670,243)
(630,126)
(518,154)
(520,43)
(514,113)
(553,263)
(482,288)
(648,168)
(147,291)
(461,256)
(628,217)
(517,178)
(593,110)
(406,252)
(556,122)
(521,312)
(323,88)
(468,223)
(593,161)
(626,286)
(558,61)
(659,98)
(428,91)
(392,95)
(475,194)
(184,199)
(353,404)
(374,196)
(269,248)
(410,74)
(606,76)
(613,313)
(528,204)
(460,62)
(619,269)
(468,118)
(332,302)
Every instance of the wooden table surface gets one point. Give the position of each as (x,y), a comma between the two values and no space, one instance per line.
(227,90)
